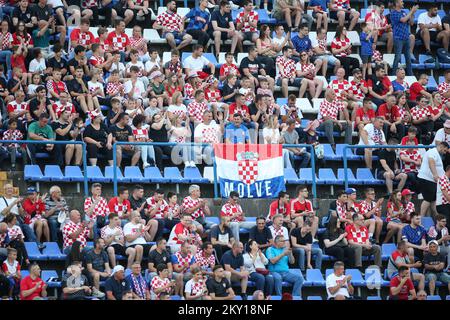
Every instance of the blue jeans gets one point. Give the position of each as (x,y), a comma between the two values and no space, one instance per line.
(402,46)
(316,253)
(5,55)
(28,232)
(294,278)
(264,283)
(53,224)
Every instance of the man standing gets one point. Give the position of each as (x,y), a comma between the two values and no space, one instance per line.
(233,210)
(233,262)
(339,286)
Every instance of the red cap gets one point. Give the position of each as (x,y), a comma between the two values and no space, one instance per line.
(406,192)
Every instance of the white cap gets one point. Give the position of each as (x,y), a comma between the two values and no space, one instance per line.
(117,269)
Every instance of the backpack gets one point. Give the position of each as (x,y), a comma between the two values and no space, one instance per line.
(443,55)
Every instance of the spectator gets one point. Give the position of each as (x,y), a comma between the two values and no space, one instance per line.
(161,283)
(319,47)
(341,47)
(401,286)
(233,210)
(372,134)
(286,71)
(222,28)
(411,161)
(98,139)
(392,118)
(266,50)
(247,21)
(221,237)
(122,132)
(429,28)
(11,269)
(219,286)
(137,235)
(55,208)
(97,264)
(32,287)
(205,258)
(380,87)
(335,242)
(117,285)
(252,68)
(261,234)
(416,237)
(341,11)
(196,287)
(400,84)
(184,231)
(75,230)
(443,135)
(439,232)
(96,207)
(255,262)
(233,262)
(388,167)
(376,20)
(306,71)
(417,89)
(75,285)
(434,265)
(139,286)
(281,206)
(395,216)
(34,207)
(159,255)
(121,205)
(302,242)
(423,119)
(279,255)
(198,208)
(288,10)
(198,23)
(197,62)
(339,286)
(290,136)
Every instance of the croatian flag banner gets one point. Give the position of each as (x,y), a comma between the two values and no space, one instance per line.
(253,170)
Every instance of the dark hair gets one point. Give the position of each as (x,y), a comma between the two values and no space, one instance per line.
(217,267)
(339,31)
(402,268)
(137,187)
(9,218)
(378,67)
(11,121)
(439,217)
(159,191)
(170,194)
(224,3)
(195,47)
(412,215)
(139,118)
(248,245)
(332,224)
(121,116)
(112,215)
(286,48)
(355,216)
(282,194)
(340,193)
(134,69)
(206,244)
(95,46)
(122,190)
(97,241)
(260,218)
(79,48)
(75,253)
(233,194)
(174,52)
(37,52)
(160,267)
(43,116)
(237,115)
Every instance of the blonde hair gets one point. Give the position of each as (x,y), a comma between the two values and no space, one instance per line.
(54,189)
(175,97)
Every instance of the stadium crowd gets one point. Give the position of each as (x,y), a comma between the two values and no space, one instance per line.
(113,86)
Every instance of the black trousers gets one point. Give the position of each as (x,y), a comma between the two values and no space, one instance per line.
(424,131)
(201,36)
(159,152)
(220,250)
(268,64)
(346,254)
(93,150)
(349,63)
(400,132)
(106,12)
(56,153)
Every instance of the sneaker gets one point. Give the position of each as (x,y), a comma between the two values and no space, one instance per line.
(244,296)
(41,246)
(145,165)
(193,164)
(98,294)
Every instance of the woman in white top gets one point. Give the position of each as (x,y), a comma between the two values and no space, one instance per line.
(255,263)
(37,65)
(182,134)
(271,135)
(195,288)
(177,108)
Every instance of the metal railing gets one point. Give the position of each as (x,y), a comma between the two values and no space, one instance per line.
(55,142)
(347,146)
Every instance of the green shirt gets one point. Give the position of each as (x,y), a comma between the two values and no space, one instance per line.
(43,41)
(46,132)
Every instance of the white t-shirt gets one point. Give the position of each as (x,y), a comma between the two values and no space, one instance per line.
(107,231)
(274,134)
(195,64)
(5,203)
(55,3)
(150,64)
(278,41)
(94,86)
(425,19)
(138,64)
(425,172)
(120,67)
(130,229)
(374,136)
(177,110)
(441,136)
(208,133)
(37,66)
(139,88)
(332,281)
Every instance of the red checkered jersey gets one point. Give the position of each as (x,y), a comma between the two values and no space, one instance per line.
(179,229)
(197,287)
(339,87)
(114,88)
(107,231)
(32,209)
(341,210)
(301,206)
(119,208)
(86,4)
(227,69)
(184,261)
(14,106)
(434,111)
(281,231)
(243,110)
(141,135)
(276,208)
(213,95)
(409,208)
(71,227)
(210,134)
(330,109)
(82,38)
(287,69)
(251,17)
(2,240)
(444,184)
(59,108)
(418,113)
(367,206)
(355,207)
(170,20)
(228,210)
(356,90)
(341,4)
(96,60)
(443,88)
(118,41)
(27,37)
(104,45)
(56,87)
(322,43)
(189,203)
(365,116)
(196,110)
(392,207)
(358,235)
(6,40)
(101,208)
(158,283)
(12,135)
(339,44)
(174,211)
(15,232)
(390,115)
(161,213)
(403,113)
(203,261)
(138,44)
(412,155)
(188,91)
(309,68)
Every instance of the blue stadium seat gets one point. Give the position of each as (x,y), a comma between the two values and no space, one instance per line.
(276,298)
(282,101)
(175,298)
(350,155)
(295,298)
(215,220)
(314,298)
(328,153)
(357,279)
(47,274)
(365,175)
(54,173)
(33,252)
(315,277)
(427,222)
(432,84)
(374,298)
(443,65)
(134,174)
(305,176)
(173,175)
(95,175)
(421,64)
(264,17)
(290,176)
(387,249)
(110,175)
(326,176)
(434,298)
(32,172)
(74,173)
(447,297)
(127,272)
(237,297)
(152,174)
(350,176)
(194,175)
(374,278)
(53,252)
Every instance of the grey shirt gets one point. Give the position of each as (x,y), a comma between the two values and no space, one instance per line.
(290,137)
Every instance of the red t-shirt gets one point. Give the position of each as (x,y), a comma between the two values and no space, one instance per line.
(119,208)
(369,115)
(414,91)
(275,209)
(242,111)
(27,283)
(389,115)
(386,84)
(406,139)
(300,207)
(407,287)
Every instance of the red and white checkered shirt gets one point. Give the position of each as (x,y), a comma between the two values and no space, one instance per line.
(174,210)
(341,4)
(14,106)
(330,109)
(341,210)
(138,44)
(83,38)
(196,110)
(198,287)
(393,211)
(339,44)
(356,91)
(409,208)
(101,209)
(104,45)
(158,283)
(86,4)
(71,227)
(322,43)
(170,20)
(188,203)
(309,68)
(6,40)
(59,108)
(213,95)
(288,66)
(412,155)
(12,135)
(184,261)
(162,210)
(56,87)
(227,69)
(118,41)
(418,113)
(107,231)
(114,88)
(281,231)
(141,135)
(339,87)
(188,91)
(444,184)
(443,88)
(15,232)
(360,235)
(228,210)
(96,60)
(210,134)
(252,16)
(119,208)
(2,240)
(366,207)
(204,262)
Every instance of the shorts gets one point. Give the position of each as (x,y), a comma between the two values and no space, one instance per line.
(380,174)
(297,82)
(366,59)
(428,189)
(333,15)
(441,276)
(119,249)
(248,35)
(146,247)
(120,9)
(332,60)
(223,35)
(433,36)
(177,35)
(128,152)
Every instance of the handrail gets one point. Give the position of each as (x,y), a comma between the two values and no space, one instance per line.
(358,146)
(85,177)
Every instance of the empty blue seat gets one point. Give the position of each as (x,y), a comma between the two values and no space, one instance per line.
(365,175)
(282,101)
(33,252)
(54,173)
(315,277)
(427,222)
(237,297)
(194,175)
(387,249)
(109,173)
(152,174)
(326,176)
(290,176)
(53,252)
(95,175)
(296,298)
(214,220)
(175,298)
(432,84)
(305,176)
(374,278)
(357,278)
(328,153)
(349,152)
(46,275)
(374,298)
(32,172)
(174,175)
(134,174)
(350,176)
(421,64)
(447,297)
(434,298)
(74,174)
(314,298)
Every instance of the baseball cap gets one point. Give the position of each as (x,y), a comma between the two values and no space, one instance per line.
(350,190)
(31,190)
(117,269)
(155,74)
(433,242)
(406,192)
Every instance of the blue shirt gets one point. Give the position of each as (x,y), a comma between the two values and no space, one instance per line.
(118,288)
(400,29)
(175,260)
(195,24)
(301,44)
(414,236)
(397,86)
(235,134)
(282,265)
(366,45)
(235,262)
(322,3)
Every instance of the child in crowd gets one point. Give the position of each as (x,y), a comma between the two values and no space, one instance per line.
(247,91)
(11,269)
(116,109)
(215,100)
(36,81)
(142,74)
(228,67)
(230,88)
(174,65)
(140,44)
(14,134)
(174,84)
(96,88)
(367,38)
(264,88)
(114,87)
(182,134)
(156,88)
(133,109)
(18,61)
(154,63)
